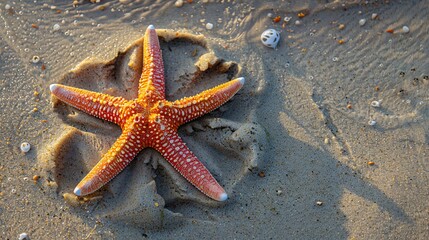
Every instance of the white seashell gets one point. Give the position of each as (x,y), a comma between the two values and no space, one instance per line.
(270,38)
(25,147)
(178,3)
(375,104)
(35,59)
(23,236)
(405,29)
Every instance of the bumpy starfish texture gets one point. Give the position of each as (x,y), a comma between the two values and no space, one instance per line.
(149,121)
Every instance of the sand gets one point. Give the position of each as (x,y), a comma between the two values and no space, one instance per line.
(294,149)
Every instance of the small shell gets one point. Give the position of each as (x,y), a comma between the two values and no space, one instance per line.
(270,38)
(405,29)
(375,104)
(362,22)
(25,147)
(35,59)
(372,122)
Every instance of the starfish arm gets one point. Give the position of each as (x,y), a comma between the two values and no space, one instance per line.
(189,108)
(123,151)
(97,104)
(175,151)
(151,85)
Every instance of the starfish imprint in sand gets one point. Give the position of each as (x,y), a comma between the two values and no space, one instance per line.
(149,121)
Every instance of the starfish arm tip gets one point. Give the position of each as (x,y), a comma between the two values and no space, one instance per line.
(151,27)
(77,191)
(242,80)
(52,87)
(223,197)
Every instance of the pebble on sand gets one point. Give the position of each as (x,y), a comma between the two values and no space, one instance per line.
(36,177)
(327,141)
(209,26)
(349,106)
(56,27)
(372,122)
(35,59)
(7,6)
(277,19)
(362,22)
(178,3)
(301,14)
(375,104)
(25,147)
(405,29)
(23,236)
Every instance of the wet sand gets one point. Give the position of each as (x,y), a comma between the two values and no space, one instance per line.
(300,150)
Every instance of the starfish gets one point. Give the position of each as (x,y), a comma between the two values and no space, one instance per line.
(149,121)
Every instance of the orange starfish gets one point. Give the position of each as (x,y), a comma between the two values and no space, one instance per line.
(149,121)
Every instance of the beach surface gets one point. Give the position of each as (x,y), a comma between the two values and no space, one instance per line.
(328,138)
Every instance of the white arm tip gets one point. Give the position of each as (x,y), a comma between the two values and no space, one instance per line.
(52,87)
(242,80)
(223,197)
(77,191)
